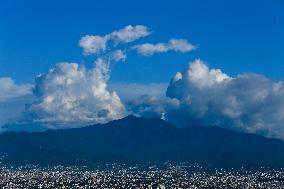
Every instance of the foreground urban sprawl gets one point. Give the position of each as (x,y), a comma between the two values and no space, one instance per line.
(139,176)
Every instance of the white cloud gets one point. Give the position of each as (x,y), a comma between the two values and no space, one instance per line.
(148,49)
(248,102)
(199,74)
(13,98)
(129,34)
(11,110)
(96,44)
(118,55)
(70,95)
(151,106)
(147,100)
(179,45)
(10,90)
(93,44)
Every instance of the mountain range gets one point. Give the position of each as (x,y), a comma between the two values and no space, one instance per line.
(137,140)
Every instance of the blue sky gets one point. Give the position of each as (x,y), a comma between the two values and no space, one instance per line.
(62,63)
(236,36)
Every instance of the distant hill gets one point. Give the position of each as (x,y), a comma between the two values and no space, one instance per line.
(134,139)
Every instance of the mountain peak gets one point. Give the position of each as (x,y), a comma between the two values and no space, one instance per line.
(134,122)
(130,116)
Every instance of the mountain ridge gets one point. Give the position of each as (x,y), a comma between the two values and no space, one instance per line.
(138,139)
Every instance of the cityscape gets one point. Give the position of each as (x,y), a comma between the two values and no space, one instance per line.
(146,176)
(141,94)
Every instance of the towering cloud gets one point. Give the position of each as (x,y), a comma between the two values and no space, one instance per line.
(248,102)
(69,95)
(180,45)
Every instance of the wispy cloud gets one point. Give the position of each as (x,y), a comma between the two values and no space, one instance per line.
(179,45)
(95,44)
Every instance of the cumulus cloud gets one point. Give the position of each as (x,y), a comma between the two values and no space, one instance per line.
(248,102)
(69,95)
(95,44)
(179,45)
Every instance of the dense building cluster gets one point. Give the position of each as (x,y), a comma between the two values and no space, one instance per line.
(155,176)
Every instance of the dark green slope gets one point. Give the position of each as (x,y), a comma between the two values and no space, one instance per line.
(133,139)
